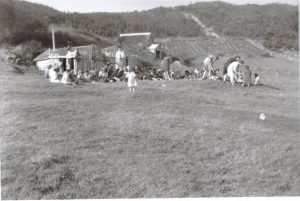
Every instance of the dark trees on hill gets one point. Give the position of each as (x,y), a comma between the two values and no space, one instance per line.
(274,24)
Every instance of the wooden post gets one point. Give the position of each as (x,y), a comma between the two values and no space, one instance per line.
(53,39)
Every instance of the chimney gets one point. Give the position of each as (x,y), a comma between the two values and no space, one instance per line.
(53,39)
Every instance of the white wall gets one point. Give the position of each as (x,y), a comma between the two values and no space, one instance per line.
(42,65)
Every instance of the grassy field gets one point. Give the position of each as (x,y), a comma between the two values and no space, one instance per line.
(191,138)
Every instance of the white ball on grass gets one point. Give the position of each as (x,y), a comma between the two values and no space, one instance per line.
(262,116)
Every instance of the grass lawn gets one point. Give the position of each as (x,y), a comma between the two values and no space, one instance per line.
(191,138)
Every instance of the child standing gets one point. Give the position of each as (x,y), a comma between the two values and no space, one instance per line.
(247,76)
(131,76)
(257,79)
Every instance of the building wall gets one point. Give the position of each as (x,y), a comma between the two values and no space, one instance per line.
(42,65)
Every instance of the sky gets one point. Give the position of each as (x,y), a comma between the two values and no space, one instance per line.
(131,5)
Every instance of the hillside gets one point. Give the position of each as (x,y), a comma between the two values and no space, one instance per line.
(275,25)
(196,48)
(23,21)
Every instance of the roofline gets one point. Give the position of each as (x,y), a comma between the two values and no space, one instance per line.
(51,50)
(113,46)
(136,34)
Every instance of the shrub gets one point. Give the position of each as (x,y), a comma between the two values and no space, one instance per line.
(29,50)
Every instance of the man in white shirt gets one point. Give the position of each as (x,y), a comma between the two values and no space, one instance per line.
(233,71)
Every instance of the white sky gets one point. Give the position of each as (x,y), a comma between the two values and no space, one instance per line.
(131,5)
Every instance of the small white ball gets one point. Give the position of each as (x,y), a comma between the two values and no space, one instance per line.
(262,116)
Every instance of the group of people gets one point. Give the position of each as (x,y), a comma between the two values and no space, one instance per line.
(112,73)
(231,70)
(57,74)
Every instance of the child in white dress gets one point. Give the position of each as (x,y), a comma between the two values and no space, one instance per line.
(131,76)
(257,79)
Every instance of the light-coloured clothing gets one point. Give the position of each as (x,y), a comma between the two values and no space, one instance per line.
(257,80)
(197,73)
(208,66)
(165,64)
(102,74)
(53,76)
(232,72)
(131,76)
(120,58)
(66,78)
(166,76)
(87,76)
(208,63)
(80,76)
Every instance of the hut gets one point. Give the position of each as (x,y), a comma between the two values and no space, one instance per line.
(137,47)
(156,50)
(78,58)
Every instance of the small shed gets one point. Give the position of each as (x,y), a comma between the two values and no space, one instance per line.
(156,50)
(78,58)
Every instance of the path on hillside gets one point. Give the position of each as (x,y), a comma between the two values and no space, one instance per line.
(291,56)
(207,31)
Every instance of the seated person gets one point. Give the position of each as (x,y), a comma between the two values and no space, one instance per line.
(197,73)
(172,74)
(53,75)
(94,75)
(120,74)
(87,76)
(187,74)
(66,77)
(216,74)
(46,72)
(80,75)
(102,74)
(159,74)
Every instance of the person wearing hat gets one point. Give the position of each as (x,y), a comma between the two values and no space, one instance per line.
(208,66)
(131,76)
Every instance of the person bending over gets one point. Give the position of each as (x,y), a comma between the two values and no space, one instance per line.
(208,66)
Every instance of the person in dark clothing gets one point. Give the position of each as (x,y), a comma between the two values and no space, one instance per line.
(247,76)
(228,62)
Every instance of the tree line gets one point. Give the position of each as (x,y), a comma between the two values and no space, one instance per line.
(276,25)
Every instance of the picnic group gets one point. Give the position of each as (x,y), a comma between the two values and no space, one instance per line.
(234,70)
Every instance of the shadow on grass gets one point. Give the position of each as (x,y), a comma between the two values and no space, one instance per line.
(267,86)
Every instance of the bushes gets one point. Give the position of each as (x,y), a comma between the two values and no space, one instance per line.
(29,50)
